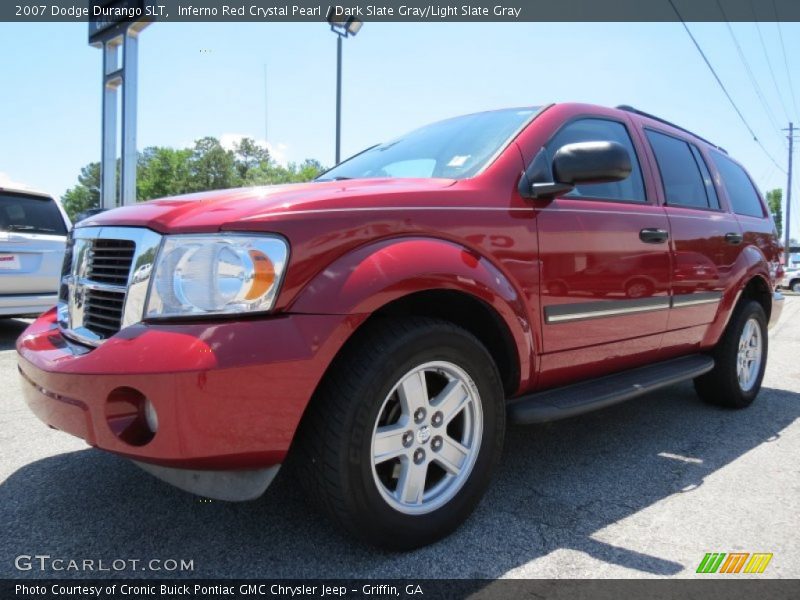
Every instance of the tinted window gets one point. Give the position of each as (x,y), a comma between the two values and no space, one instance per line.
(680,172)
(601,130)
(711,192)
(30,214)
(743,196)
(456,148)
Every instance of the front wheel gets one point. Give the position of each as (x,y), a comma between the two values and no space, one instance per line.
(740,359)
(403,436)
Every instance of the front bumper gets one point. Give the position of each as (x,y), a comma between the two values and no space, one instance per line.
(229,395)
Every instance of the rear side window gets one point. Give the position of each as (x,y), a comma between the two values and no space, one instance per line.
(743,196)
(30,214)
(602,130)
(684,174)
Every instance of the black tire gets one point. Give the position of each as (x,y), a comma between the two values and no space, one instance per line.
(721,386)
(795,285)
(333,449)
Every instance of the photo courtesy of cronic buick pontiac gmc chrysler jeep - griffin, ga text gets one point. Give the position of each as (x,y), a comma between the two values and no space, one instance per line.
(375,329)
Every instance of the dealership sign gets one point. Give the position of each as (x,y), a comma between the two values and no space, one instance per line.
(110,18)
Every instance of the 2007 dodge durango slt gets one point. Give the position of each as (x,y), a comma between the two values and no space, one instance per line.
(379,325)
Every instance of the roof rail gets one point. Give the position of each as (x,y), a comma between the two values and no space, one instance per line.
(631,109)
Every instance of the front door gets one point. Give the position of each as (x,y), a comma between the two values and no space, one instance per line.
(605,260)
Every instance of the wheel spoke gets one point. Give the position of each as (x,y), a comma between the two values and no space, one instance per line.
(451,456)
(451,400)
(411,485)
(389,442)
(413,393)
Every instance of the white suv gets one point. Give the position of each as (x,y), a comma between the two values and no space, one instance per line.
(33,236)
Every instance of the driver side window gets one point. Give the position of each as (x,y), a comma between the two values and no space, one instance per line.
(630,189)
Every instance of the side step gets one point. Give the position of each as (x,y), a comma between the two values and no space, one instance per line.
(586,396)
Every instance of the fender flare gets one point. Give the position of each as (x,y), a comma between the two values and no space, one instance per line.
(751,264)
(368,278)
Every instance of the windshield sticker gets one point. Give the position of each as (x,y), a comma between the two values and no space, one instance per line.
(458,161)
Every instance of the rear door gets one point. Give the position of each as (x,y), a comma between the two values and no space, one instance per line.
(604,258)
(32,242)
(748,208)
(705,238)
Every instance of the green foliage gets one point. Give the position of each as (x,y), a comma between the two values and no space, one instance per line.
(164,172)
(774,200)
(86,194)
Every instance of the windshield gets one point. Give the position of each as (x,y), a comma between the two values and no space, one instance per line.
(30,214)
(454,149)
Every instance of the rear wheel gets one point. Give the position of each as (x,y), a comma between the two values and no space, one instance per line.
(795,285)
(402,438)
(740,359)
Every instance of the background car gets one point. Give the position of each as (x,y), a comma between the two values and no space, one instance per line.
(33,236)
(791,279)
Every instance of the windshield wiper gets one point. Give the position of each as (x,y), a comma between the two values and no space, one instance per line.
(338,178)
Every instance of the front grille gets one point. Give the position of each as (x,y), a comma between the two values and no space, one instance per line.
(102,312)
(110,261)
(96,299)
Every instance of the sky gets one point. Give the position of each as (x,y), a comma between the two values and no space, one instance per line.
(200,79)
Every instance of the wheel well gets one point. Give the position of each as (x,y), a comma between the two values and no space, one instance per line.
(758,290)
(469,313)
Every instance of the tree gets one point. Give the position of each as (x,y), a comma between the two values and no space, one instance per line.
(775,202)
(164,172)
(86,194)
(249,156)
(211,167)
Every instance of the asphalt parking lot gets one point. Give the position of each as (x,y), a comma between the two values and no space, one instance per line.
(643,489)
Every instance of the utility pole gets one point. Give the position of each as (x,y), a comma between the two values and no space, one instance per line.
(266,113)
(787,238)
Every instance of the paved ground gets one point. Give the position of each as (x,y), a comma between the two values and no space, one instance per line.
(644,489)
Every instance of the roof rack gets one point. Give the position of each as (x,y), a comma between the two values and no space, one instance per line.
(631,109)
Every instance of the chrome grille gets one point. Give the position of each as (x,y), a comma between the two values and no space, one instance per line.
(102,312)
(105,280)
(110,261)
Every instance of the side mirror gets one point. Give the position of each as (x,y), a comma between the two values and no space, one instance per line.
(573,164)
(591,162)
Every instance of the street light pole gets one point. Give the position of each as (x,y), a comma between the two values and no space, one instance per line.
(342,27)
(338,98)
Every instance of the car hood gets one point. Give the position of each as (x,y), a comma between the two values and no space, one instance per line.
(221,209)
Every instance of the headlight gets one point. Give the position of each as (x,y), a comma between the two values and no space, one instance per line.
(216,274)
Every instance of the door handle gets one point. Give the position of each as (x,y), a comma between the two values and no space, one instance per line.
(651,235)
(734,238)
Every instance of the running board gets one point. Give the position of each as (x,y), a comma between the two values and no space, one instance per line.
(586,396)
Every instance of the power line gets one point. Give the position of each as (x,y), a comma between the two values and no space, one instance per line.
(724,89)
(750,75)
(769,63)
(785,60)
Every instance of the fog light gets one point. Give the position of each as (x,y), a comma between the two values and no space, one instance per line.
(150,415)
(130,416)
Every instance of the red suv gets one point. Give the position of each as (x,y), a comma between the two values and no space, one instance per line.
(378,326)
